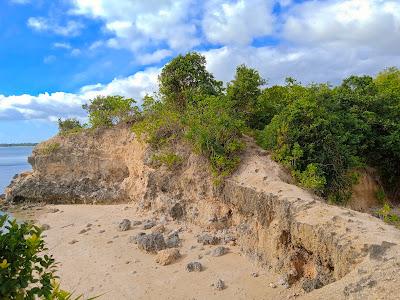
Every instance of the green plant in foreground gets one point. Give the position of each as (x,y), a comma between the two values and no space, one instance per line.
(69,126)
(25,271)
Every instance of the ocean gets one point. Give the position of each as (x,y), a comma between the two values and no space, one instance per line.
(13,160)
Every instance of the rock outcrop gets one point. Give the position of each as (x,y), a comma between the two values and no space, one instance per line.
(333,252)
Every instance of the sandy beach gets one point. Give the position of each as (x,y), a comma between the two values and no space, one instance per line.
(96,258)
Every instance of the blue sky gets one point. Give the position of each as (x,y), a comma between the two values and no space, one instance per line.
(55,55)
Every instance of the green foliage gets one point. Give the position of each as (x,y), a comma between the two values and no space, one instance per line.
(69,126)
(243,92)
(49,148)
(169,159)
(184,79)
(386,213)
(24,273)
(106,111)
(380,195)
(215,132)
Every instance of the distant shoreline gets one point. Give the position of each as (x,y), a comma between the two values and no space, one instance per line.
(19,145)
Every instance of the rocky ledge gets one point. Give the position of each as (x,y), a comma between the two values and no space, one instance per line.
(329,251)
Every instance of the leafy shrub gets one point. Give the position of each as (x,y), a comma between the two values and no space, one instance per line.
(169,159)
(24,273)
(49,148)
(69,126)
(106,111)
(215,132)
(388,216)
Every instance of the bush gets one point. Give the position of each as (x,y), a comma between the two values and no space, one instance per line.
(69,126)
(216,133)
(49,148)
(24,272)
(106,111)
(169,159)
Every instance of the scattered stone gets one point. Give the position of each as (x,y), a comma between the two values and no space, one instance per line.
(148,224)
(207,239)
(45,227)
(219,251)
(124,225)
(167,256)
(133,239)
(272,285)
(53,210)
(219,285)
(177,212)
(88,225)
(158,229)
(115,236)
(73,242)
(311,284)
(152,243)
(136,223)
(194,266)
(173,240)
(102,231)
(82,231)
(254,274)
(200,256)
(283,281)
(133,272)
(109,242)
(127,262)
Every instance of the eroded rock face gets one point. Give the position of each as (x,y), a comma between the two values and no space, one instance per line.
(328,250)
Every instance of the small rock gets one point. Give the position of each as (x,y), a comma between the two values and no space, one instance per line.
(177,211)
(254,274)
(219,251)
(158,229)
(109,242)
(82,231)
(152,243)
(124,225)
(88,225)
(284,281)
(45,227)
(73,242)
(207,239)
(194,266)
(148,224)
(173,240)
(192,247)
(200,256)
(272,285)
(219,285)
(115,236)
(53,210)
(167,256)
(102,231)
(133,239)
(136,223)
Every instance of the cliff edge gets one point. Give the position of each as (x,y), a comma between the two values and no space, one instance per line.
(331,252)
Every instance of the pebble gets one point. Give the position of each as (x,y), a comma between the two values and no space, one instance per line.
(73,242)
(194,266)
(219,285)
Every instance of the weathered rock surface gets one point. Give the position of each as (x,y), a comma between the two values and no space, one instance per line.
(152,242)
(329,250)
(194,266)
(167,256)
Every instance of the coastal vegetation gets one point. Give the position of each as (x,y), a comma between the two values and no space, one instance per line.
(323,134)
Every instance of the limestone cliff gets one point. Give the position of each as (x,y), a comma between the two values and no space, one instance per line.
(333,252)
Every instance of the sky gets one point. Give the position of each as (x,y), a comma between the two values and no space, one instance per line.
(55,55)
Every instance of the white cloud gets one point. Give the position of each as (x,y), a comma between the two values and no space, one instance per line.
(140,24)
(62,45)
(154,57)
(71,28)
(49,59)
(238,22)
(52,106)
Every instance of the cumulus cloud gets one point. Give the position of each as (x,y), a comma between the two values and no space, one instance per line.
(51,106)
(40,24)
(238,22)
(140,24)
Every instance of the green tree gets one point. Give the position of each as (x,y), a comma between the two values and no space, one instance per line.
(243,92)
(69,125)
(185,79)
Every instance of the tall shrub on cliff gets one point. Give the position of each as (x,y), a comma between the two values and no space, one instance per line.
(184,80)
(106,111)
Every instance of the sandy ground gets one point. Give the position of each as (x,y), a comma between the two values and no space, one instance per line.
(102,261)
